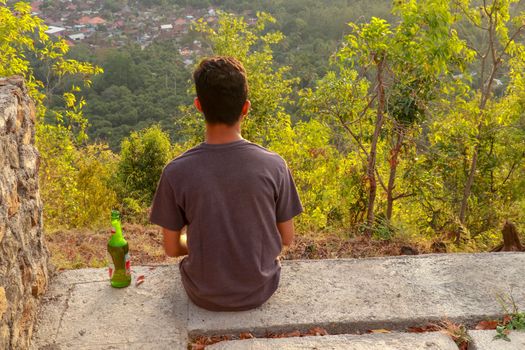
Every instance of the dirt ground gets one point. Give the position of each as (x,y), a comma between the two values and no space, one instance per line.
(73,249)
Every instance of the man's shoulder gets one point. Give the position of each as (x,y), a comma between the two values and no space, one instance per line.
(183,159)
(266,153)
(193,157)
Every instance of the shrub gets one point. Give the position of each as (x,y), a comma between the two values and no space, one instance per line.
(142,159)
(75,182)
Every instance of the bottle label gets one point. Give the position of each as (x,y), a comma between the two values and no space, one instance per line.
(111,269)
(128,264)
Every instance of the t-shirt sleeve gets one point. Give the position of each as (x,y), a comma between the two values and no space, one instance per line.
(165,211)
(288,203)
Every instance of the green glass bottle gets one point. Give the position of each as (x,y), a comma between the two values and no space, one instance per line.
(118,249)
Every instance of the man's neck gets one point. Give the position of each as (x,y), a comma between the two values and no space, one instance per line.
(222,133)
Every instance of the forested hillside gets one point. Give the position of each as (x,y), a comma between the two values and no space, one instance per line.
(408,122)
(143,86)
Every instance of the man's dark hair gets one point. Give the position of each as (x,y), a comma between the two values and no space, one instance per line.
(222,89)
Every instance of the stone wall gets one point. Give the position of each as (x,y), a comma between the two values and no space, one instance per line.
(23,255)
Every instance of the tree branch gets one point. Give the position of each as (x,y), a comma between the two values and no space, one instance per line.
(469,17)
(513,36)
(381,180)
(354,136)
(514,165)
(403,195)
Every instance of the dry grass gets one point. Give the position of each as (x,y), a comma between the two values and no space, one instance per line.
(73,249)
(332,246)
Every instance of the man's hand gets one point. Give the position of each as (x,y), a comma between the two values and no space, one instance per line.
(287,231)
(174,243)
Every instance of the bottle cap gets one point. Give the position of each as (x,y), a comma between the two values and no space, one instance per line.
(115,215)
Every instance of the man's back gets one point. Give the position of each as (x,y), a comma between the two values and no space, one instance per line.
(230,196)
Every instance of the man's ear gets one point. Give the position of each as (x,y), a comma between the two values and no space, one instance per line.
(197,104)
(246,107)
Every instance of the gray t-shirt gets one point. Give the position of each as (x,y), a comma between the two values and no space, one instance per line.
(230,196)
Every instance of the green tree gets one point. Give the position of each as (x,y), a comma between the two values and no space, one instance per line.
(75,182)
(65,180)
(383,79)
(142,159)
(496,54)
(23,35)
(269,89)
(328,180)
(140,87)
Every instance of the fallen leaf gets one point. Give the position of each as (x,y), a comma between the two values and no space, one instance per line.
(201,342)
(507,319)
(463,346)
(416,330)
(423,329)
(246,335)
(486,325)
(291,334)
(139,280)
(381,330)
(317,331)
(284,335)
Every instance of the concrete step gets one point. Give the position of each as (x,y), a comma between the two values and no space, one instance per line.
(82,311)
(390,341)
(481,340)
(484,340)
(349,295)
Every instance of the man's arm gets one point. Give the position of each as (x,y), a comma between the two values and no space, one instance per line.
(174,243)
(286,230)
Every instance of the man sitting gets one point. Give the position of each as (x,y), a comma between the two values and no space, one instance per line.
(236,199)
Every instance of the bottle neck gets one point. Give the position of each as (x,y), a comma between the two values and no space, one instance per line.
(117,237)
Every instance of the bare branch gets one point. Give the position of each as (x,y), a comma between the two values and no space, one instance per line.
(514,165)
(381,180)
(492,38)
(363,112)
(403,195)
(354,136)
(469,17)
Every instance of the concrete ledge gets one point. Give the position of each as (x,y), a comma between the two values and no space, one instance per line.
(350,295)
(484,340)
(391,341)
(82,311)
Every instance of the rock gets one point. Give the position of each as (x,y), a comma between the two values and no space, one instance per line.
(23,258)
(29,158)
(12,155)
(2,230)
(3,302)
(40,283)
(407,250)
(12,203)
(27,138)
(5,336)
